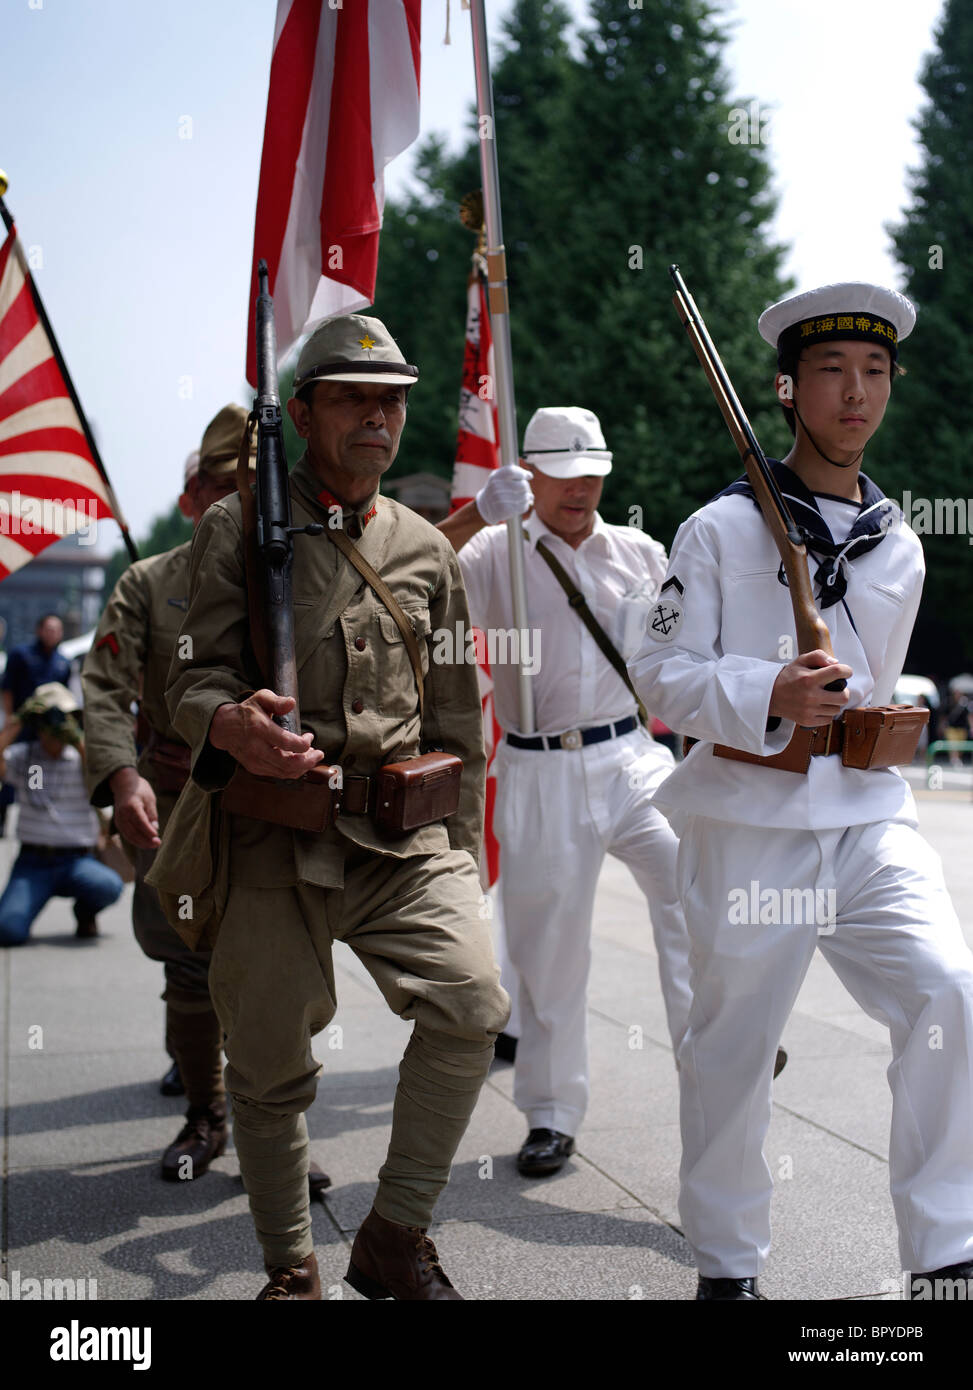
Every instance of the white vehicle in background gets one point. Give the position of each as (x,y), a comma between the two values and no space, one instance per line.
(908,690)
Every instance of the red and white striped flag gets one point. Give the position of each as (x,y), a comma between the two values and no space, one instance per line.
(50,485)
(477,444)
(343,101)
(477,453)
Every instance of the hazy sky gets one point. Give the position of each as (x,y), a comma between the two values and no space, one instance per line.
(131,130)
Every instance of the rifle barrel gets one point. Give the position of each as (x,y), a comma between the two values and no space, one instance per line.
(733,400)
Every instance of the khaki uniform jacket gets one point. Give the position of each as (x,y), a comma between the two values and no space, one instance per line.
(357,694)
(129,662)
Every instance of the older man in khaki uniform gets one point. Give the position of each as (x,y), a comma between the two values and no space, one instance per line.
(128,663)
(274,898)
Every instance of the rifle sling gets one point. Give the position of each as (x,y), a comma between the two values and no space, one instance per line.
(579,603)
(258,631)
(375,580)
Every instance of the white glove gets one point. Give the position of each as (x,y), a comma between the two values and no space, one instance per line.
(506,494)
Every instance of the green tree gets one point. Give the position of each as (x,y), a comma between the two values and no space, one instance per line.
(923,447)
(613,164)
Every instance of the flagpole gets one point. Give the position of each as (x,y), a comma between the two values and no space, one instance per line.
(500,327)
(8,222)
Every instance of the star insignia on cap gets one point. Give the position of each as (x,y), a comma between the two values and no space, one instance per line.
(367,342)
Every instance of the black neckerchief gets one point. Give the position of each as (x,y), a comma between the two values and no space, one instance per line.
(871,528)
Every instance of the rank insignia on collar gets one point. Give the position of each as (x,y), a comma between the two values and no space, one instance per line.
(182,603)
(110,641)
(664,620)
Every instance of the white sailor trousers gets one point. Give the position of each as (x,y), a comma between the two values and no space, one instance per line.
(557,814)
(896,945)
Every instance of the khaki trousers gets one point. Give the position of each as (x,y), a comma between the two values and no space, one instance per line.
(418,927)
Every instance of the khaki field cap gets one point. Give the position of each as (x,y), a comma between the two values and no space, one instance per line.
(353,347)
(221,442)
(565,441)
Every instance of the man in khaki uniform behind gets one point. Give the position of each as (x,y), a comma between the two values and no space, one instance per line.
(274,898)
(128,663)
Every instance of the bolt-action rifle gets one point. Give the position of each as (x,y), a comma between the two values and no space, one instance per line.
(812,631)
(268,529)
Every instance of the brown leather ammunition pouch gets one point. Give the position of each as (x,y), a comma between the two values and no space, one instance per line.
(882,735)
(401,797)
(171,763)
(420,791)
(872,736)
(310,802)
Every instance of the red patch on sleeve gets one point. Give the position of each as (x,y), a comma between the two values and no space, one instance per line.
(109,640)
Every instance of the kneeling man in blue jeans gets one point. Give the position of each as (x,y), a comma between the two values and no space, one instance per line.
(57,827)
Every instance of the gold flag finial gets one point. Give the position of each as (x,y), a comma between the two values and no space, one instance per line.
(471,216)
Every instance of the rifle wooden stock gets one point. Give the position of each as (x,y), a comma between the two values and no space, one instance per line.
(812,631)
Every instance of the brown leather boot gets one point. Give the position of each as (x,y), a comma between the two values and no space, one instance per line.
(201,1139)
(393,1261)
(292,1281)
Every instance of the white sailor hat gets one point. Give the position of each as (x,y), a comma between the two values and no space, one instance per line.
(565,441)
(866,313)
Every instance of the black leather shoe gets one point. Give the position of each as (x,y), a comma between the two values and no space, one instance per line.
(171,1083)
(543,1152)
(949,1276)
(506,1048)
(726,1290)
(780,1062)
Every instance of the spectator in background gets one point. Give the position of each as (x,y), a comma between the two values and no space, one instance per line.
(58,828)
(28,666)
(957,724)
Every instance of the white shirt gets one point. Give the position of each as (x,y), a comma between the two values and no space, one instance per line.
(54,805)
(708,665)
(617,568)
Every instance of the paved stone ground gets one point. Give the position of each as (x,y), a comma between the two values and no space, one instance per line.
(84,1125)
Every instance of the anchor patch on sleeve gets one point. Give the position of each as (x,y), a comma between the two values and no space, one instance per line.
(664,620)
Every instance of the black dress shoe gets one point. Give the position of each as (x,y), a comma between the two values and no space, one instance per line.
(506,1048)
(543,1152)
(780,1062)
(171,1083)
(726,1290)
(954,1274)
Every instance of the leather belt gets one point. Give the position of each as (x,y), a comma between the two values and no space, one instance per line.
(55,851)
(168,748)
(828,738)
(575,738)
(357,796)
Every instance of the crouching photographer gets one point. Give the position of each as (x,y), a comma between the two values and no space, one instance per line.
(57,827)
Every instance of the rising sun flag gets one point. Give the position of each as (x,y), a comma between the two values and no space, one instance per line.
(343,101)
(52,482)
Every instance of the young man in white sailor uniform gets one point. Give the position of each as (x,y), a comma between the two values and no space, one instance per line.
(581,787)
(718,663)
